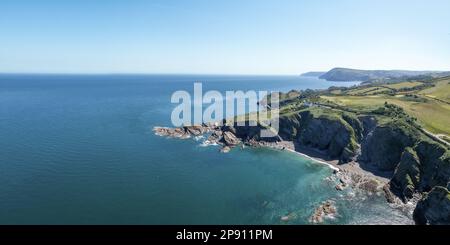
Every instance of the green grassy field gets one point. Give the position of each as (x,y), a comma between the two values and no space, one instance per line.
(403,85)
(361,91)
(378,90)
(440,91)
(430,106)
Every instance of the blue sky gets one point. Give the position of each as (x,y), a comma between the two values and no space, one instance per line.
(222,37)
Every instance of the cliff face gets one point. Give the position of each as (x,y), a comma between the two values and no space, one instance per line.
(331,134)
(384,145)
(421,168)
(418,164)
(434,208)
(407,175)
(328,133)
(435,162)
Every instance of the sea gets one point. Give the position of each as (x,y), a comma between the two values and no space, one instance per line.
(79,149)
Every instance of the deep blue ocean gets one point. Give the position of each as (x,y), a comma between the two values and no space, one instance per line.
(80,150)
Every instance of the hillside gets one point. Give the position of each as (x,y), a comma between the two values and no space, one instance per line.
(386,127)
(428,101)
(346,74)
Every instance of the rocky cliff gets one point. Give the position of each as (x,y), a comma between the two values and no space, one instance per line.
(384,144)
(434,208)
(418,164)
(328,132)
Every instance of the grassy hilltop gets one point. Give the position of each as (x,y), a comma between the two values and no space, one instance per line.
(426,101)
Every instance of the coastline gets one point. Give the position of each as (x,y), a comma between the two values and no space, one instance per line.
(345,176)
(350,174)
(353,167)
(291,147)
(330,165)
(350,168)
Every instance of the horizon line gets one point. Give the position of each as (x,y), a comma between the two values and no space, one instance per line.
(140,74)
(208,74)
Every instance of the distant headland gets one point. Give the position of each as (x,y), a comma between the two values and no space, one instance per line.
(347,74)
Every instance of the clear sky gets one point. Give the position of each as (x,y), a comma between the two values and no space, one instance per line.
(223,36)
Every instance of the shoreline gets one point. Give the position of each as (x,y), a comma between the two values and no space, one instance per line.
(357,176)
(291,147)
(316,155)
(315,159)
(313,154)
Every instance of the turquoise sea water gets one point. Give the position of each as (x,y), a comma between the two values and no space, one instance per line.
(80,150)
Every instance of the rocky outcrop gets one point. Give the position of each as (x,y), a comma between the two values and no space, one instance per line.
(356,124)
(183,132)
(249,133)
(337,135)
(390,197)
(435,165)
(384,146)
(327,210)
(289,127)
(407,174)
(420,169)
(195,130)
(230,139)
(330,133)
(434,208)
(225,149)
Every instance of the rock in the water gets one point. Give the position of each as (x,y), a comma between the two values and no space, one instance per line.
(183,132)
(215,137)
(289,217)
(230,139)
(325,210)
(369,185)
(225,149)
(340,187)
(390,197)
(171,132)
(195,130)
